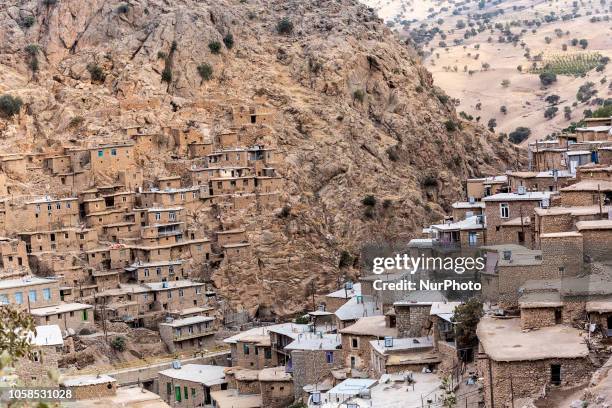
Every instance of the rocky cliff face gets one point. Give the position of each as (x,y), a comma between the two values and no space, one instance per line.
(356,115)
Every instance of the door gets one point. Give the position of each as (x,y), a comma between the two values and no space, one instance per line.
(555,374)
(473,239)
(352,362)
(521,237)
(609,321)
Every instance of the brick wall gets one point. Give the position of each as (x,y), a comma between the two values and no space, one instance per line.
(94,391)
(311,367)
(413,320)
(597,244)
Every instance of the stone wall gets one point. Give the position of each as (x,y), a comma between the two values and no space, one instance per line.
(94,391)
(412,320)
(578,198)
(277,394)
(311,366)
(448,354)
(360,354)
(534,318)
(597,244)
(508,378)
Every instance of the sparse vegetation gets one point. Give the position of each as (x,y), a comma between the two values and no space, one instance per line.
(284,26)
(586,91)
(369,201)
(359,95)
(118,344)
(123,8)
(214,47)
(10,105)
(166,75)
(505,83)
(450,125)
(569,64)
(492,124)
(548,78)
(206,71)
(228,40)
(346,259)
(552,99)
(96,72)
(27,21)
(519,134)
(76,121)
(551,112)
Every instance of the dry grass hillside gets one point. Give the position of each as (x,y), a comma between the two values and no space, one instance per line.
(473,47)
(356,115)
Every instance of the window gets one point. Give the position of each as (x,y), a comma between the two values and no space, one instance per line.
(555,374)
(504,210)
(329,357)
(198,290)
(146,272)
(113,152)
(85,315)
(4,299)
(169,389)
(185,393)
(354,342)
(158,271)
(181,293)
(245,349)
(100,153)
(172,215)
(47,294)
(193,391)
(68,205)
(157,216)
(32,296)
(267,353)
(49,207)
(19,298)
(58,206)
(177,393)
(169,294)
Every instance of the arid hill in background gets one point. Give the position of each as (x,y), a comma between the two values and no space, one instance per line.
(355,115)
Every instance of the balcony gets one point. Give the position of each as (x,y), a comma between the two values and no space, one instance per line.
(186,335)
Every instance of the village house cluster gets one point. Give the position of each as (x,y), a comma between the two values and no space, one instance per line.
(123,246)
(546,233)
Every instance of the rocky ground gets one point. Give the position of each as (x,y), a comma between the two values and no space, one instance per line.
(356,115)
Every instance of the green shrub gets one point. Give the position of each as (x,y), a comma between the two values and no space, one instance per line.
(346,259)
(519,134)
(284,26)
(27,21)
(285,212)
(10,105)
(450,125)
(586,91)
(302,319)
(393,153)
(96,72)
(161,55)
(214,47)
(369,200)
(429,181)
(228,40)
(166,75)
(49,2)
(205,71)
(547,78)
(118,343)
(359,95)
(551,112)
(76,121)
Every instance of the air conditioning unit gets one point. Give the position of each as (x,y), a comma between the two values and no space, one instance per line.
(348,285)
(471,200)
(507,255)
(176,364)
(316,398)
(469,214)
(521,190)
(388,341)
(545,203)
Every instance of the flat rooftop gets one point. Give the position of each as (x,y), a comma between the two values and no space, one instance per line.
(200,373)
(503,340)
(370,326)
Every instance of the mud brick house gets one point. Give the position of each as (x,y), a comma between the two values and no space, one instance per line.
(42,214)
(355,308)
(112,157)
(75,316)
(503,207)
(282,335)
(252,116)
(549,357)
(13,256)
(29,292)
(252,349)
(187,197)
(62,240)
(478,188)
(594,172)
(392,355)
(90,387)
(551,180)
(334,300)
(560,219)
(596,238)
(356,338)
(190,333)
(466,209)
(314,356)
(587,193)
(176,295)
(145,272)
(277,389)
(47,348)
(190,385)
(199,149)
(469,232)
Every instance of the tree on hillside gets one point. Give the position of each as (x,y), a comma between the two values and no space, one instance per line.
(466,319)
(519,134)
(547,78)
(552,99)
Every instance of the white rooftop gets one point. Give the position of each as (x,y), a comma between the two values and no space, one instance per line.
(346,293)
(403,344)
(204,374)
(188,321)
(25,281)
(85,380)
(528,196)
(50,335)
(314,341)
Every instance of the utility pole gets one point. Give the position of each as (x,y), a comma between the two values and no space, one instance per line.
(313,294)
(104,320)
(599,201)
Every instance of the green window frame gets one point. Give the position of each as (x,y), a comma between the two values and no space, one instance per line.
(177,393)
(186,392)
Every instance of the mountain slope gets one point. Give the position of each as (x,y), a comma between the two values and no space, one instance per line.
(356,115)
